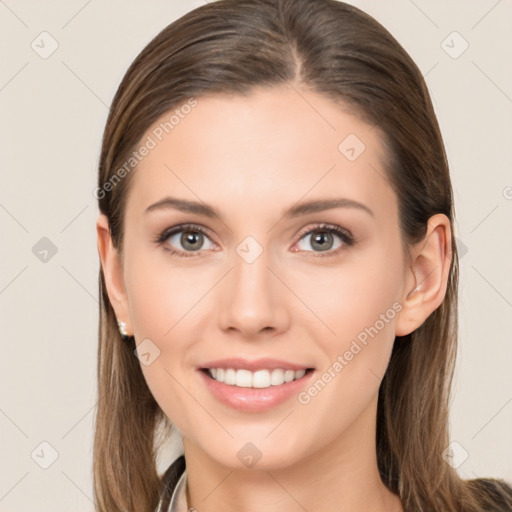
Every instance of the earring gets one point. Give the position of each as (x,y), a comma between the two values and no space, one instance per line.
(122,329)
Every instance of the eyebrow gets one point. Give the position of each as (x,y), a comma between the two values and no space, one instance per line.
(295,211)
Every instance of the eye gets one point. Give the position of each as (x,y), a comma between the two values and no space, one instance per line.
(184,239)
(322,238)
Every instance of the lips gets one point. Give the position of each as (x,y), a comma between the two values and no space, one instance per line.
(248,387)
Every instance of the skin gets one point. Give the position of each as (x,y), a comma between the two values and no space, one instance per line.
(252,158)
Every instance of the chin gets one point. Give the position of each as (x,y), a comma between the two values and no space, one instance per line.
(257,455)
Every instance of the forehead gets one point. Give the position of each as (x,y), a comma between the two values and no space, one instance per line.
(266,149)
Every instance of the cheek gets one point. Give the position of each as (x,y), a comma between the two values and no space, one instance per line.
(357,304)
(166,303)
(161,292)
(353,295)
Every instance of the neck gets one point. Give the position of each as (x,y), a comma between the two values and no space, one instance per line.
(342,476)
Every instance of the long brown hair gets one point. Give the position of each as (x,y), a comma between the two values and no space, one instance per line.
(231,46)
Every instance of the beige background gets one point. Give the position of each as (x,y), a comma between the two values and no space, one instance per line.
(53,113)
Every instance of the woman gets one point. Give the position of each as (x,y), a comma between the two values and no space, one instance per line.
(277,249)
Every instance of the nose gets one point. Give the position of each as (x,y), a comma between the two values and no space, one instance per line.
(253,300)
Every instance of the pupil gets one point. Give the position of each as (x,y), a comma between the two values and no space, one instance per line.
(321,239)
(189,237)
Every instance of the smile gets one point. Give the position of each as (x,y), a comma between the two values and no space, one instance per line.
(255,391)
(258,379)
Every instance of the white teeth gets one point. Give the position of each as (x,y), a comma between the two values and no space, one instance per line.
(277,377)
(261,379)
(300,373)
(289,375)
(243,379)
(230,376)
(257,379)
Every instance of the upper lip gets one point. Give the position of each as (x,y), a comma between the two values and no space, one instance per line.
(266,363)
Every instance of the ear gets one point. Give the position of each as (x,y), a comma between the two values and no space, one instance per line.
(113,272)
(427,276)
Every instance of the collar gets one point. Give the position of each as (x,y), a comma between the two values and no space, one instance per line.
(179,496)
(173,487)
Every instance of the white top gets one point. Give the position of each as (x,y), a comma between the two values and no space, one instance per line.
(179,497)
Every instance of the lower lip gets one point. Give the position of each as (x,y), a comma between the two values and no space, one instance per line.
(255,399)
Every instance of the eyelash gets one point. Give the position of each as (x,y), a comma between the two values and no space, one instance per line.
(344,235)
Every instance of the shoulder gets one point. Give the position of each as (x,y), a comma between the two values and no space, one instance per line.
(168,483)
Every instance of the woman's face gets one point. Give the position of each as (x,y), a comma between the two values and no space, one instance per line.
(269,278)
